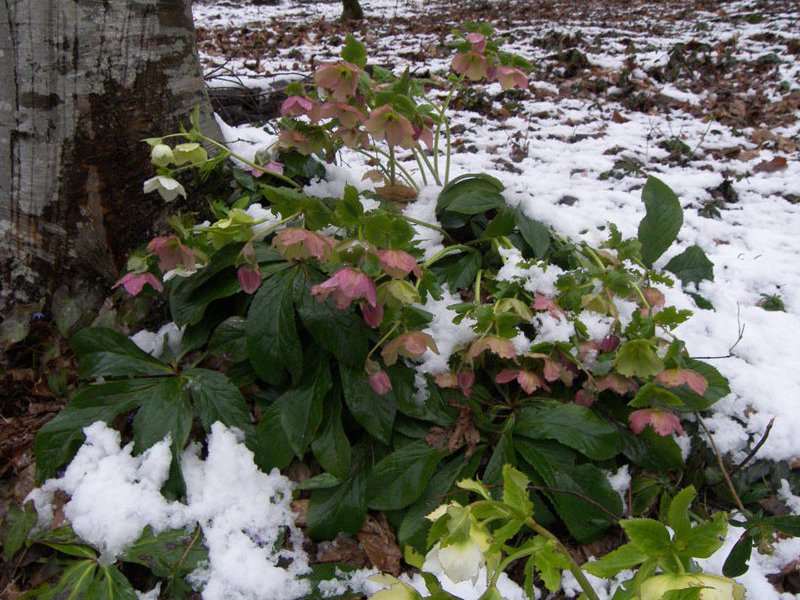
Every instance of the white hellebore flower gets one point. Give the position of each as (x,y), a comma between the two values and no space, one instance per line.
(714,586)
(395,590)
(460,562)
(161,155)
(166,186)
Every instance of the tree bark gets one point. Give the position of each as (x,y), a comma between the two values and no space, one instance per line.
(351,10)
(82,82)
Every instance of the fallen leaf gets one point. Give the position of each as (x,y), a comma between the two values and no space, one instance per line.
(771,166)
(618,118)
(380,544)
(397,193)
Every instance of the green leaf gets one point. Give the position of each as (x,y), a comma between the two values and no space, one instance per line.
(301,406)
(470,182)
(736,563)
(691,266)
(624,557)
(458,271)
(570,424)
(106,353)
(374,412)
(17,524)
(548,561)
(354,51)
(515,491)
(678,513)
(706,538)
(323,481)
(652,451)
(229,339)
(349,209)
(341,508)
(273,345)
(332,448)
(717,389)
(649,536)
(64,540)
(165,410)
(535,234)
(503,454)
(341,332)
(476,202)
(400,478)
(75,582)
(60,437)
(270,445)
(502,224)
(217,399)
(789,524)
(169,554)
(110,584)
(692,593)
(662,221)
(638,358)
(190,296)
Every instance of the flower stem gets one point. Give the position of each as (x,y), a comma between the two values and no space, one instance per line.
(251,164)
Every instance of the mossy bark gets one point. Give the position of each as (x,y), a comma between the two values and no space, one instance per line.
(351,10)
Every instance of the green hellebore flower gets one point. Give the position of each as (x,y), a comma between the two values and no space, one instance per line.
(161,155)
(190,153)
(714,586)
(397,590)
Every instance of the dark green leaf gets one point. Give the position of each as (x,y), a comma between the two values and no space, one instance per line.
(332,448)
(190,296)
(736,563)
(165,410)
(691,266)
(789,524)
(16,526)
(503,454)
(476,202)
(75,583)
(169,554)
(105,353)
(660,226)
(502,224)
(535,234)
(649,536)
(270,445)
(229,339)
(652,451)
(110,584)
(323,481)
(400,478)
(349,209)
(374,412)
(341,508)
(624,557)
(273,345)
(469,183)
(458,271)
(59,438)
(217,399)
(572,425)
(354,51)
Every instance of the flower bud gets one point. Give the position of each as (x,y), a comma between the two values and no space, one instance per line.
(161,155)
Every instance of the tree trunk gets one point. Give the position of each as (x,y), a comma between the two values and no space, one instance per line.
(351,10)
(83,82)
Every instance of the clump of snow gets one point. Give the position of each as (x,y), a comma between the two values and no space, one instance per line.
(449,336)
(247,141)
(551,328)
(264,217)
(243,512)
(620,482)
(113,494)
(156,343)
(424,209)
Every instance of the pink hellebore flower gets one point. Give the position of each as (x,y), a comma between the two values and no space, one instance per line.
(585,398)
(352,138)
(677,377)
(270,167)
(171,253)
(463,380)
(617,384)
(348,116)
(510,77)
(296,243)
(295,140)
(663,422)
(295,106)
(471,64)
(528,381)
(386,123)
(398,263)
(478,42)
(498,346)
(373,315)
(423,134)
(134,283)
(346,285)
(341,79)
(412,344)
(249,278)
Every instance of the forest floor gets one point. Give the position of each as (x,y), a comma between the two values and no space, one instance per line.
(703,94)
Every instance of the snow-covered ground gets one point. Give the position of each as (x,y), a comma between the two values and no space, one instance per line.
(575,160)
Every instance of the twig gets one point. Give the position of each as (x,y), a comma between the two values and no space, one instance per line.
(756,448)
(731,489)
(730,354)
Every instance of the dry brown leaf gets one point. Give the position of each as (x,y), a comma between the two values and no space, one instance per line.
(397,193)
(618,118)
(300,508)
(373,175)
(343,549)
(380,544)
(770,166)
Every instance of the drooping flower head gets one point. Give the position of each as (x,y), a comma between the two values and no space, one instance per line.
(340,79)
(462,380)
(677,377)
(171,253)
(528,380)
(385,123)
(296,243)
(663,422)
(509,77)
(499,346)
(133,283)
(471,64)
(295,140)
(168,188)
(478,42)
(347,285)
(249,278)
(377,378)
(348,116)
(398,263)
(412,344)
(295,106)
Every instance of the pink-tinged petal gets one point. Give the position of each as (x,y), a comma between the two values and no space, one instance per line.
(677,377)
(379,382)
(506,375)
(295,140)
(478,42)
(348,116)
(347,285)
(465,380)
(497,345)
(352,138)
(446,380)
(542,302)
(398,263)
(412,344)
(171,253)
(471,64)
(424,135)
(274,167)
(341,79)
(655,298)
(249,278)
(296,243)
(530,382)
(133,283)
(585,398)
(373,316)
(663,422)
(552,370)
(295,106)
(510,77)
(608,344)
(617,384)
